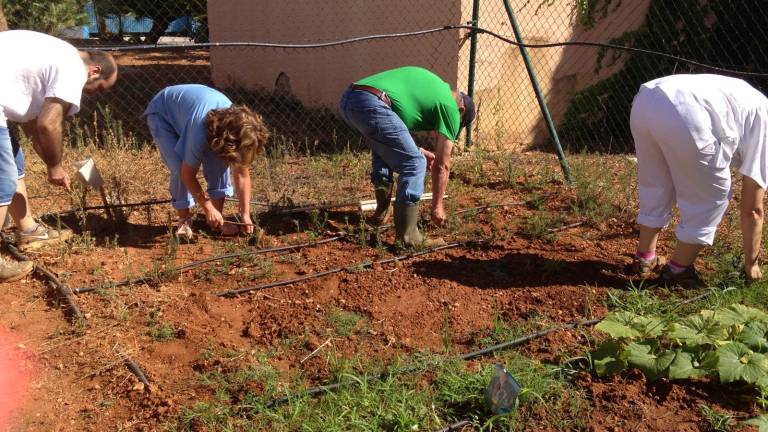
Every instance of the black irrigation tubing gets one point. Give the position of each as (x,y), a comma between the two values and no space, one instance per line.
(481,352)
(521,340)
(479,30)
(109,206)
(193,264)
(456,426)
(64,290)
(231,293)
(185,267)
(136,370)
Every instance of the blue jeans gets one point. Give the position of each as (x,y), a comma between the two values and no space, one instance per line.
(392,146)
(215,171)
(11,166)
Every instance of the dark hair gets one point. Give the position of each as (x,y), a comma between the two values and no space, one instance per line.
(103,60)
(236,134)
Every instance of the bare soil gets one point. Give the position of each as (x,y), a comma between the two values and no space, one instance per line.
(79,380)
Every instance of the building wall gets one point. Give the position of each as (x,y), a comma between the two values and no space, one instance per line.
(508,113)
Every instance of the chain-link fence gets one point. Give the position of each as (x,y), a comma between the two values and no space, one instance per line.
(588,90)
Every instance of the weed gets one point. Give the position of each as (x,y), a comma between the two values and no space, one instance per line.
(158,330)
(594,191)
(344,322)
(84,242)
(539,227)
(718,421)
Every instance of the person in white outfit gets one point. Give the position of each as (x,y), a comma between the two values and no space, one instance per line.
(42,80)
(688,131)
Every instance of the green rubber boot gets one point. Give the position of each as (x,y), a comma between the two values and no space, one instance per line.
(407,228)
(383,191)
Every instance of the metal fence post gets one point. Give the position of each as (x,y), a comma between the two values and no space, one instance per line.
(539,94)
(472,60)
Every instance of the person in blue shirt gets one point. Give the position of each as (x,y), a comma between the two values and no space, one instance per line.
(194,125)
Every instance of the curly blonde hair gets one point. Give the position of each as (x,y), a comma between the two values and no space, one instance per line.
(236,134)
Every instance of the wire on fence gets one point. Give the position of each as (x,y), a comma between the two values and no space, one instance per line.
(590,58)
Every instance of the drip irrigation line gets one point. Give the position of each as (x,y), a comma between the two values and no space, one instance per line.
(477,29)
(474,354)
(521,340)
(109,206)
(64,290)
(366,264)
(456,426)
(136,370)
(188,266)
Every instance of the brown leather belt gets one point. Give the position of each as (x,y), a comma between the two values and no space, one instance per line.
(381,94)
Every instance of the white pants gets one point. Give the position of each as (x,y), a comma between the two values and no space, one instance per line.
(672,166)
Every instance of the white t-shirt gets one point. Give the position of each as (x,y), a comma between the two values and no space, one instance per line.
(36,66)
(723,114)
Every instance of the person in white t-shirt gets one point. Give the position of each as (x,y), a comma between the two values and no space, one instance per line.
(688,131)
(42,79)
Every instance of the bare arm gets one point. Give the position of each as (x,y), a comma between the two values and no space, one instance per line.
(189,178)
(243,191)
(47,134)
(751,225)
(49,130)
(441,170)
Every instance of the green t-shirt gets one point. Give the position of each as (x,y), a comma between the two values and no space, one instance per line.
(420,98)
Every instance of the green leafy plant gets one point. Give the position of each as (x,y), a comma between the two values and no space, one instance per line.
(729,344)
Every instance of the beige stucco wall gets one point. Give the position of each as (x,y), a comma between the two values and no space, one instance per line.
(508,113)
(319,76)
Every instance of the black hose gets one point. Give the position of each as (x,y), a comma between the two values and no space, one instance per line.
(136,370)
(108,206)
(455,426)
(64,290)
(193,264)
(231,293)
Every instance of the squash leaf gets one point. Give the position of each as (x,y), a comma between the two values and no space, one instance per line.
(607,360)
(738,363)
(643,356)
(699,329)
(739,314)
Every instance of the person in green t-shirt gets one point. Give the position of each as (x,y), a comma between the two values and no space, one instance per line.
(385,107)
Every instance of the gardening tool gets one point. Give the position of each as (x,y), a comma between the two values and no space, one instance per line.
(368,205)
(90,176)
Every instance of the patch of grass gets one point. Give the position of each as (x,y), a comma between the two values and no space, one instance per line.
(418,393)
(344,322)
(158,330)
(595,192)
(718,421)
(539,226)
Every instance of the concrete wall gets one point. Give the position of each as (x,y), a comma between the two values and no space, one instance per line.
(319,76)
(508,114)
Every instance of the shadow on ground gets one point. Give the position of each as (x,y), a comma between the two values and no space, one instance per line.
(520,270)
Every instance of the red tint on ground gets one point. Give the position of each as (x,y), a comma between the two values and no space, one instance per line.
(15,376)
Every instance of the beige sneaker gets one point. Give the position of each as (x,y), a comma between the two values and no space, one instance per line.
(11,271)
(645,268)
(41,236)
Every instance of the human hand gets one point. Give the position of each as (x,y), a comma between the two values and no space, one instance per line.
(753,272)
(58,176)
(212,215)
(438,216)
(430,158)
(246,218)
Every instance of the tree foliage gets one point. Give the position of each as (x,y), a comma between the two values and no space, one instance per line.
(162,13)
(47,16)
(724,33)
